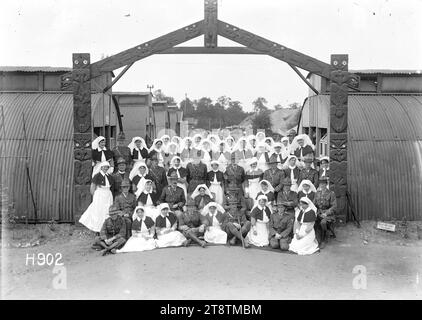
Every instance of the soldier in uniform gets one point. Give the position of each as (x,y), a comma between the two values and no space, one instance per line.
(126,203)
(120,175)
(158,174)
(234,174)
(112,234)
(291,135)
(281,228)
(190,224)
(288,197)
(173,195)
(122,151)
(326,203)
(275,176)
(237,225)
(308,173)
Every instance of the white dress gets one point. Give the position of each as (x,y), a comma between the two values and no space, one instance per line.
(262,162)
(254,187)
(139,241)
(262,232)
(308,243)
(171,239)
(216,188)
(94,216)
(215,234)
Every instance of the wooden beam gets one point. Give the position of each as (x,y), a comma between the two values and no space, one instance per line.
(217,50)
(304,79)
(118,77)
(274,49)
(147,49)
(210,23)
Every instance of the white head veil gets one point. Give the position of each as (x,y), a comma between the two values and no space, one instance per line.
(132,144)
(195,193)
(135,169)
(306,142)
(308,182)
(96,143)
(206,209)
(311,205)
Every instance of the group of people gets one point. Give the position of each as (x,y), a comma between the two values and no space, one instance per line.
(209,190)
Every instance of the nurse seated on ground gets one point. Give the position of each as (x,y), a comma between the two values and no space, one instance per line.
(214,218)
(260,216)
(165,227)
(304,241)
(143,231)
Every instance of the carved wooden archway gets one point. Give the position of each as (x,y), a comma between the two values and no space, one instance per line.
(210,27)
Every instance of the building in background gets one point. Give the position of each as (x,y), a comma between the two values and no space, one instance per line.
(385,141)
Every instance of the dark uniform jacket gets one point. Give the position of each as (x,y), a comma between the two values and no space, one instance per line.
(205,200)
(136,178)
(118,179)
(126,204)
(258,213)
(160,221)
(191,220)
(113,228)
(310,195)
(289,199)
(270,195)
(183,172)
(137,224)
(211,174)
(143,197)
(197,174)
(281,224)
(308,174)
(304,151)
(135,153)
(326,202)
(310,216)
(277,158)
(99,179)
(159,177)
(96,155)
(234,174)
(221,217)
(296,172)
(173,196)
(275,177)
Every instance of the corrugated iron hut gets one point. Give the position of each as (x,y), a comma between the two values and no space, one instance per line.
(33,95)
(384,141)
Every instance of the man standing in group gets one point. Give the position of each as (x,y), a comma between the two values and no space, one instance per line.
(158,175)
(122,151)
(287,197)
(173,195)
(126,203)
(234,174)
(275,176)
(326,203)
(308,173)
(119,176)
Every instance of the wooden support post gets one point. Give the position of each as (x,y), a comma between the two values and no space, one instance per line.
(82,132)
(210,23)
(338,129)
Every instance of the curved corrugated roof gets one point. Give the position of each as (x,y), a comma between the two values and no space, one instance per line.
(384,155)
(49,127)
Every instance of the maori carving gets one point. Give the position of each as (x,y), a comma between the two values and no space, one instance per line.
(146,49)
(338,128)
(82,131)
(210,23)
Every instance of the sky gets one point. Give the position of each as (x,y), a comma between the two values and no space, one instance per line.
(377,34)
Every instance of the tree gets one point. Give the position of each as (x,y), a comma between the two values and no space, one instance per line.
(160,96)
(262,120)
(259,104)
(294,105)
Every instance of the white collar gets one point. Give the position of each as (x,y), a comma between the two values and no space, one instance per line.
(102,173)
(103,149)
(122,172)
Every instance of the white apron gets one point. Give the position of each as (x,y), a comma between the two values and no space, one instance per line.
(94,216)
(150,210)
(139,242)
(306,245)
(254,188)
(216,188)
(171,239)
(262,233)
(215,234)
(262,163)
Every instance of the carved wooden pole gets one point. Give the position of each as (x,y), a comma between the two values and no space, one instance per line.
(338,129)
(210,23)
(82,132)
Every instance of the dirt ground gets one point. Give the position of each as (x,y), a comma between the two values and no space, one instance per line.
(391,264)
